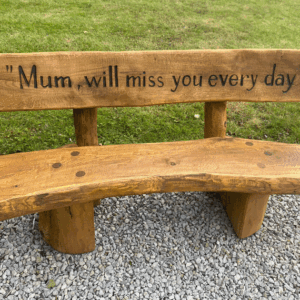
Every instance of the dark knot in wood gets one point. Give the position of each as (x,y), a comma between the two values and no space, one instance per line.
(56,165)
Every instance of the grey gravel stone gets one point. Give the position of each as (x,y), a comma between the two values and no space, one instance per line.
(159,246)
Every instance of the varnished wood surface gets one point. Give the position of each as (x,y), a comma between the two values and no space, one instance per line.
(42,180)
(165,77)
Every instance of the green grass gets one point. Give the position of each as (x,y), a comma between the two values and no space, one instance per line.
(98,25)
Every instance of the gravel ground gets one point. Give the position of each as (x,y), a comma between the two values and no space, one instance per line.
(159,246)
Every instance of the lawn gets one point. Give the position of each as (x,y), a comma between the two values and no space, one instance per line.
(97,25)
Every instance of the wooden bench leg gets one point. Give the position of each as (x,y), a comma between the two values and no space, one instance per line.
(245,211)
(69,229)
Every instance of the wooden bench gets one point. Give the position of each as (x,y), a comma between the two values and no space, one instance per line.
(64,184)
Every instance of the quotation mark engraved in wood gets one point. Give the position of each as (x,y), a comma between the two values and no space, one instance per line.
(9,68)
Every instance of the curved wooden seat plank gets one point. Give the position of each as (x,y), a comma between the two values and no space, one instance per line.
(43,180)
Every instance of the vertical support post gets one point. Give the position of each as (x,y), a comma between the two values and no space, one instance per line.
(85,122)
(245,210)
(71,229)
(215,119)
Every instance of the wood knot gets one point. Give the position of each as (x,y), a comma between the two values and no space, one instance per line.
(56,165)
(260,165)
(249,143)
(173,164)
(80,173)
(75,153)
(268,153)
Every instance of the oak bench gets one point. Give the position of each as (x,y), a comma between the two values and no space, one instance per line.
(64,184)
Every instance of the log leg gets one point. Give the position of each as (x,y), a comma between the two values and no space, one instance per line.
(245,211)
(71,229)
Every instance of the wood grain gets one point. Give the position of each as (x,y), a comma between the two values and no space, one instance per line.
(61,80)
(43,180)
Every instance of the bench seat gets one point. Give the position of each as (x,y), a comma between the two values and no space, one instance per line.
(49,179)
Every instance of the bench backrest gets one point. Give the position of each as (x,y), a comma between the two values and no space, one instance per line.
(73,80)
